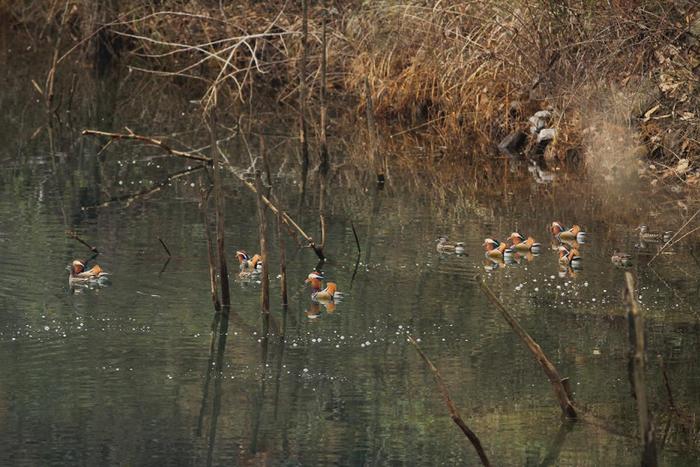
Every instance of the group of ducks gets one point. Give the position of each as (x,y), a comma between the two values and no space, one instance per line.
(248,265)
(568,241)
(80,275)
(624,260)
(567,238)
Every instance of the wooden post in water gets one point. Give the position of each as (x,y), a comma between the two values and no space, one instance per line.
(302,84)
(557,382)
(283,262)
(324,166)
(262,232)
(637,363)
(204,209)
(219,203)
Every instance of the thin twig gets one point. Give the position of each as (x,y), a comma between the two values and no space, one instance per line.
(357,240)
(74,236)
(668,244)
(165,247)
(148,140)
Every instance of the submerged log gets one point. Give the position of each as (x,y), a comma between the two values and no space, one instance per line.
(557,382)
(451,407)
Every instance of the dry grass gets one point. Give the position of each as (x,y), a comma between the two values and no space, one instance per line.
(462,73)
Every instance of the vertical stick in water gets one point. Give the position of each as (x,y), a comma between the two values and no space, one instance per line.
(283,261)
(219,201)
(204,208)
(637,363)
(262,231)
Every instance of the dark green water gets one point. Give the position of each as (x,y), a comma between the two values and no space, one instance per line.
(128,375)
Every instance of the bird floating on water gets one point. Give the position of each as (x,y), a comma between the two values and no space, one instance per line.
(622,260)
(78,274)
(494,248)
(247,264)
(519,242)
(326,295)
(562,233)
(646,235)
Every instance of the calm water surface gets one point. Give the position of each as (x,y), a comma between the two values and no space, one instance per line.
(129,374)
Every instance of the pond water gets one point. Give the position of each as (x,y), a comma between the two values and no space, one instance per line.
(129,374)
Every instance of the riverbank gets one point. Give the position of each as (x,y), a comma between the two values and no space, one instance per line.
(620,83)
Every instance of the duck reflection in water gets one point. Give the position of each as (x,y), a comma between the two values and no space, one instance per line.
(315,311)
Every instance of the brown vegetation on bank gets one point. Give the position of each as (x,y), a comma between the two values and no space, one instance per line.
(462,75)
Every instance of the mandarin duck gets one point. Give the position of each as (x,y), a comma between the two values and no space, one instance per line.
(520,243)
(562,233)
(494,248)
(79,274)
(247,264)
(321,295)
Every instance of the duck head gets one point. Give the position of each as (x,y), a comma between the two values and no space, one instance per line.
(77,267)
(556,228)
(643,229)
(314,279)
(491,244)
(442,240)
(516,238)
(242,256)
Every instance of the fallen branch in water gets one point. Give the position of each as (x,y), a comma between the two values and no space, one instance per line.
(286,219)
(454,413)
(560,388)
(74,236)
(150,141)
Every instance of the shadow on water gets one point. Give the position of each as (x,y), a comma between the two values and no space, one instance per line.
(214,370)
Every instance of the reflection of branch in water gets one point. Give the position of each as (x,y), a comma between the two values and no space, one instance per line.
(216,402)
(165,266)
(376,204)
(130,198)
(555,449)
(259,403)
(280,358)
(354,272)
(207,378)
